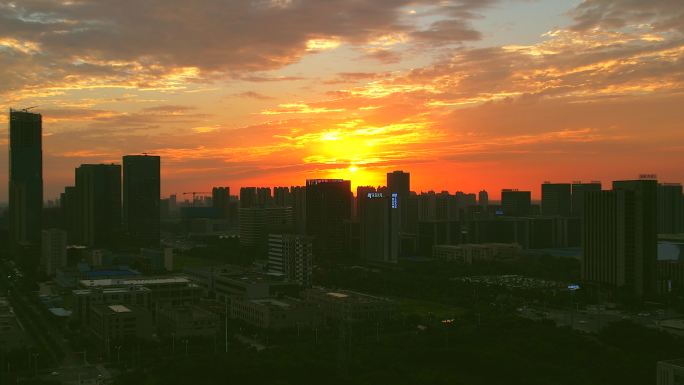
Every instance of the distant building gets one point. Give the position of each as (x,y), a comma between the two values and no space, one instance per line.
(516,203)
(483,198)
(98,187)
(299,208)
(248,197)
(282,196)
(141,199)
(620,238)
(12,334)
(328,206)
(85,299)
(291,255)
(380,227)
(54,250)
(220,199)
(25,178)
(274,313)
(469,253)
(399,182)
(579,189)
(257,222)
(670,372)
(118,325)
(187,321)
(69,208)
(345,305)
(556,199)
(670,211)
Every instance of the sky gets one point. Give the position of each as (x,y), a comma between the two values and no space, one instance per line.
(464,94)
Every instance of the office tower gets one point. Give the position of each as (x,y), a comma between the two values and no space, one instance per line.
(328,206)
(248,197)
(380,225)
(556,199)
(98,187)
(220,200)
(69,206)
(54,250)
(362,195)
(670,220)
(25,178)
(483,198)
(291,255)
(620,239)
(257,222)
(141,199)
(516,203)
(282,196)
(578,191)
(299,208)
(399,182)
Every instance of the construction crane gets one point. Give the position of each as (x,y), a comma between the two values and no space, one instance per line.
(194,195)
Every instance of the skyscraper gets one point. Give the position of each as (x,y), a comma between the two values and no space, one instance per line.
(141,199)
(670,214)
(619,238)
(328,207)
(25,178)
(380,224)
(220,199)
(98,188)
(556,199)
(399,182)
(483,198)
(578,191)
(516,203)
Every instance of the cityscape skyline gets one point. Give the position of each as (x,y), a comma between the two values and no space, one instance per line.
(501,94)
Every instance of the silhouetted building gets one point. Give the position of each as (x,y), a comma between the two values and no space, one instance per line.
(25,178)
(380,225)
(98,188)
(291,255)
(362,195)
(54,250)
(328,206)
(556,199)
(69,206)
(399,182)
(282,196)
(483,198)
(516,203)
(220,200)
(141,199)
(578,191)
(299,208)
(620,238)
(670,214)
(248,197)
(257,222)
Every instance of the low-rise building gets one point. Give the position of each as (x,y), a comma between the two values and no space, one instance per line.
(165,291)
(84,299)
(469,253)
(116,325)
(670,372)
(187,321)
(349,305)
(274,313)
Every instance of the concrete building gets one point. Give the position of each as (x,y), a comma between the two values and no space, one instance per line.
(579,189)
(345,305)
(291,255)
(620,238)
(274,313)
(25,178)
(119,325)
(54,250)
(670,210)
(380,225)
(257,222)
(85,299)
(515,203)
(328,207)
(556,199)
(165,291)
(469,253)
(187,321)
(670,372)
(235,281)
(141,199)
(98,187)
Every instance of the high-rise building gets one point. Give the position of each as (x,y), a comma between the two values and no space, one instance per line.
(516,203)
(98,187)
(220,199)
(257,222)
(54,250)
(578,191)
(69,207)
(380,225)
(248,197)
(282,196)
(670,214)
(264,197)
(141,199)
(620,238)
(291,255)
(556,199)
(25,178)
(399,182)
(299,208)
(328,207)
(362,195)
(483,198)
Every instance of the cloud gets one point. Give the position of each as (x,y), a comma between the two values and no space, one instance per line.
(662,15)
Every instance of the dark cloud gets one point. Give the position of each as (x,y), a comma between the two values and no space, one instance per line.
(661,14)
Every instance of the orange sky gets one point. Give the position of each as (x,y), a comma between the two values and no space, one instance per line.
(464,94)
